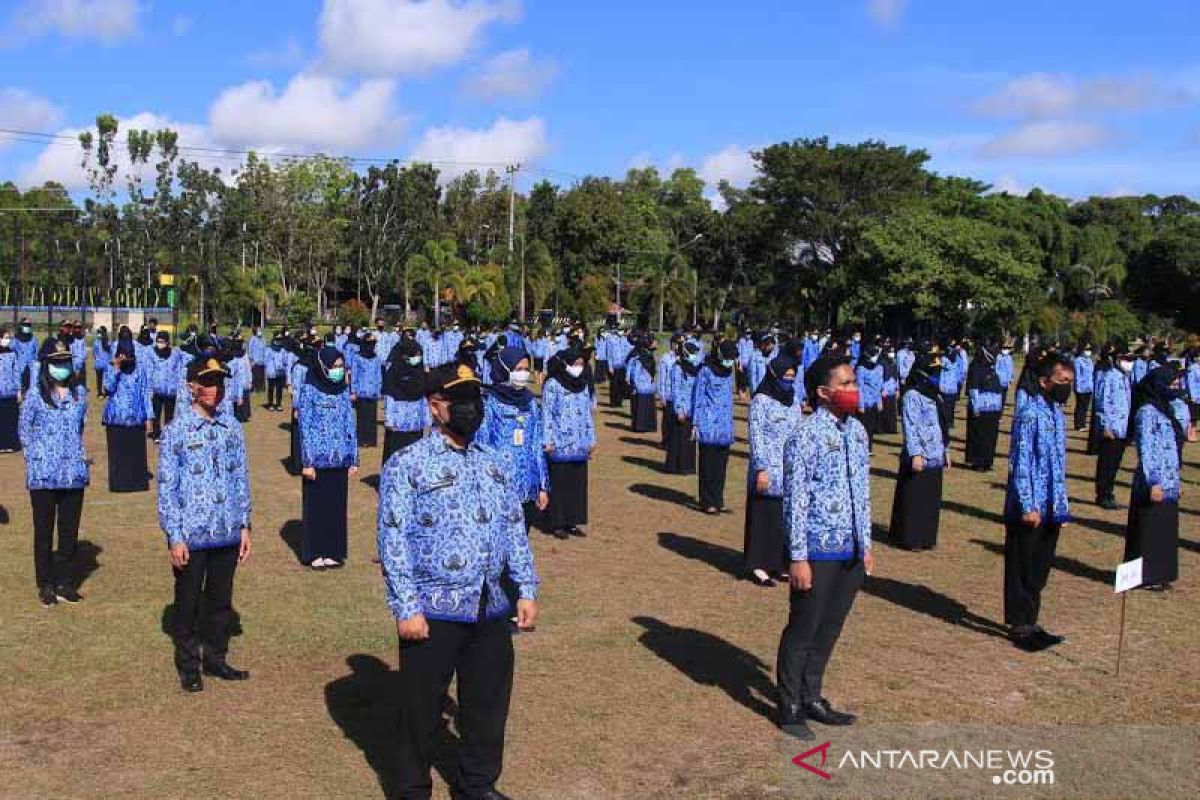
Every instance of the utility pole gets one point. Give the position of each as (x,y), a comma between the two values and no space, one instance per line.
(512,170)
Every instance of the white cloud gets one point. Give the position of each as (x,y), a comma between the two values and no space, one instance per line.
(397,37)
(1042,95)
(22,111)
(108,21)
(457,150)
(886,13)
(513,73)
(1046,138)
(312,111)
(1009,184)
(289,54)
(733,164)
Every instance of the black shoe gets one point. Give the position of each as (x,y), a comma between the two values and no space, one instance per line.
(793,722)
(562,533)
(490,794)
(820,711)
(67,593)
(46,597)
(1108,503)
(1050,639)
(764,582)
(1027,639)
(575,531)
(226,672)
(191,682)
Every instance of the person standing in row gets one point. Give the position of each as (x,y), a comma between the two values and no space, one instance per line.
(889,416)
(101,357)
(274,369)
(869,375)
(10,393)
(79,350)
(640,372)
(405,412)
(1152,532)
(450,528)
(681,448)
(26,347)
(256,350)
(366,379)
(666,370)
(162,367)
(1004,371)
(328,458)
(1112,418)
(759,359)
(950,386)
(204,512)
(304,355)
(827,515)
(917,503)
(712,410)
(619,349)
(56,468)
(241,378)
(1084,373)
(985,402)
(569,439)
(128,415)
(1035,504)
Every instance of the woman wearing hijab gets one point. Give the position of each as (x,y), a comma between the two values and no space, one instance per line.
(774,418)
(162,367)
(366,378)
(274,370)
(891,391)
(1152,532)
(666,369)
(569,439)
(985,402)
(10,393)
(128,412)
(712,411)
(328,458)
(1107,363)
(101,357)
(640,372)
(917,504)
(405,412)
(681,447)
(302,357)
(1027,382)
(512,426)
(56,468)
(241,379)
(869,373)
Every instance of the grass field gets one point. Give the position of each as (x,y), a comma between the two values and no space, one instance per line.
(650,674)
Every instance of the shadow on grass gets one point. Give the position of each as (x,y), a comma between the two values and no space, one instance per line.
(1061,563)
(3,515)
(638,461)
(924,600)
(288,466)
(86,561)
(665,494)
(711,661)
(292,534)
(656,443)
(880,472)
(371,480)
(365,705)
(972,511)
(721,558)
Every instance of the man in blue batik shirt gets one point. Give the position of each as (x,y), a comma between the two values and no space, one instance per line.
(1035,503)
(204,510)
(450,525)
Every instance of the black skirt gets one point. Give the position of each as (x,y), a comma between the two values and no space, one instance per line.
(395,441)
(601,372)
(242,412)
(668,423)
(681,449)
(539,364)
(916,507)
(616,388)
(870,420)
(982,430)
(568,494)
(294,453)
(258,377)
(365,410)
(714,460)
(645,413)
(946,411)
(325,515)
(887,418)
(764,543)
(127,465)
(10,416)
(1153,535)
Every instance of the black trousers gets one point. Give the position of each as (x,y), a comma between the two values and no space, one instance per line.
(275,392)
(258,377)
(481,654)
(982,430)
(366,409)
(241,412)
(52,567)
(714,459)
(815,621)
(127,465)
(164,412)
(1028,555)
(203,607)
(616,388)
(100,383)
(1108,461)
(669,422)
(1083,402)
(946,409)
(324,515)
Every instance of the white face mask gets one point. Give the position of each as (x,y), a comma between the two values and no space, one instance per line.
(575,371)
(519,378)
(1125,365)
(6,341)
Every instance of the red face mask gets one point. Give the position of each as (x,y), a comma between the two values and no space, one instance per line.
(844,401)
(209,396)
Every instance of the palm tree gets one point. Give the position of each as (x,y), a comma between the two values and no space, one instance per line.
(437,265)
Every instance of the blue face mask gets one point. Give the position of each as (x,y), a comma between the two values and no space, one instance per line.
(336,374)
(787,384)
(414,361)
(695,358)
(727,364)
(60,374)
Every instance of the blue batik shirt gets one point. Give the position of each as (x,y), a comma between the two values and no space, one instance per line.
(328,433)
(870,386)
(638,378)
(683,386)
(1140,367)
(366,378)
(1158,455)
(712,408)
(1112,412)
(662,379)
(26,352)
(745,348)
(10,374)
(450,524)
(619,349)
(1084,370)
(922,430)
(274,363)
(904,362)
(1037,474)
(826,489)
(772,424)
(406,415)
(256,349)
(297,375)
(949,379)
(983,402)
(128,403)
(514,435)
(1191,381)
(1179,408)
(79,350)
(163,374)
(52,440)
(567,423)
(811,352)
(101,357)
(203,481)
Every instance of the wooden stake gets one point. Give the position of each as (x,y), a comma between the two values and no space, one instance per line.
(1121,635)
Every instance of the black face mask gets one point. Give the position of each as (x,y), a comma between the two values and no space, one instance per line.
(465,417)
(128,366)
(1060,393)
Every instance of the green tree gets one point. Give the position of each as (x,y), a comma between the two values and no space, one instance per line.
(437,266)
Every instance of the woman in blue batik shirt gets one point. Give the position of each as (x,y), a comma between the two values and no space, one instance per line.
(366,379)
(56,468)
(640,372)
(241,379)
(666,369)
(774,418)
(101,357)
(1084,373)
(985,401)
(10,394)
(303,355)
(889,417)
(712,413)
(569,439)
(512,426)
(1152,532)
(681,447)
(917,503)
(128,413)
(274,369)
(162,367)
(328,458)
(405,412)
(950,385)
(869,374)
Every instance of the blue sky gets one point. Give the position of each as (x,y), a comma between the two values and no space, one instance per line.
(1079,98)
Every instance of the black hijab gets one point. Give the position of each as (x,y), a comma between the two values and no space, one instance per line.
(502,367)
(923,377)
(54,350)
(318,374)
(981,375)
(163,352)
(725,351)
(556,370)
(646,356)
(403,381)
(1155,390)
(776,369)
(686,351)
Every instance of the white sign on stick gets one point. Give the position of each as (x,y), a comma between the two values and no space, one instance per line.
(1129,576)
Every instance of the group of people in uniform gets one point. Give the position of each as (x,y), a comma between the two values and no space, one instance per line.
(472,459)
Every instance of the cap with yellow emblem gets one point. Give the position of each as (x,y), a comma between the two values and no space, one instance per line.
(453,381)
(206,371)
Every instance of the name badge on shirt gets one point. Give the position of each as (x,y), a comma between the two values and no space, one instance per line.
(518,437)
